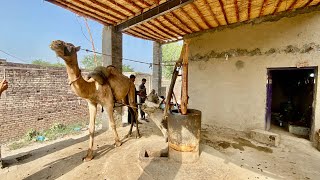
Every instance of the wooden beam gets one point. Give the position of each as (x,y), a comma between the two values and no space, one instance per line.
(277,7)
(159,30)
(83,13)
(184,90)
(174,24)
(122,7)
(164,29)
(145,3)
(200,15)
(181,21)
(167,27)
(235,2)
(152,13)
(134,34)
(107,8)
(307,4)
(223,11)
(153,32)
(190,18)
(211,12)
(263,7)
(134,5)
(293,4)
(96,9)
(249,10)
(143,33)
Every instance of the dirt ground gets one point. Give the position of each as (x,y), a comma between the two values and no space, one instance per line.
(225,154)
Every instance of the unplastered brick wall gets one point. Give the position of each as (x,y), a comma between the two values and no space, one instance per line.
(37,98)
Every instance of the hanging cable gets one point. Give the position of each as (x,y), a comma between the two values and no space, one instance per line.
(14,56)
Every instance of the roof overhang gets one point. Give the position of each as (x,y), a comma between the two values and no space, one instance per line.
(166,21)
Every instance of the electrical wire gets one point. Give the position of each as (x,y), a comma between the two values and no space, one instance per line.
(14,56)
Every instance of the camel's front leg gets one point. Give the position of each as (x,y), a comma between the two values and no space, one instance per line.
(93,113)
(109,109)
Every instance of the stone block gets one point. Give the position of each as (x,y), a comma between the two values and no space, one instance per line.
(265,137)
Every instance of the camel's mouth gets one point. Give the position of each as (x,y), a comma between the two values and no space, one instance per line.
(63,49)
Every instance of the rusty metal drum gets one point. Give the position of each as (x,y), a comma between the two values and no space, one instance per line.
(184,135)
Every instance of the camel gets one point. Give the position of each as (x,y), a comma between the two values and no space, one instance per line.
(105,87)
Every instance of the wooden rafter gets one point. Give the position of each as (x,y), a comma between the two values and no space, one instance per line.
(237,9)
(167,27)
(143,33)
(277,7)
(263,7)
(107,8)
(308,3)
(96,9)
(224,12)
(190,18)
(200,15)
(249,10)
(134,5)
(135,34)
(122,7)
(145,3)
(159,30)
(211,12)
(293,4)
(153,32)
(163,29)
(181,21)
(82,12)
(176,25)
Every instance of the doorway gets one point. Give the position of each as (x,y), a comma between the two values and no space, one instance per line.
(290,98)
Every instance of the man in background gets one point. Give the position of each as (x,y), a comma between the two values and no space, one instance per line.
(142,97)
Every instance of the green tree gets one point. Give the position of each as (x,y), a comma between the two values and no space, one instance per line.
(170,53)
(46,63)
(88,63)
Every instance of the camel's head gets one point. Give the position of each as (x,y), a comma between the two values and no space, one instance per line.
(66,51)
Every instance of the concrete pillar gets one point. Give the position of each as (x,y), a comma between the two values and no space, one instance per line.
(112,48)
(157,70)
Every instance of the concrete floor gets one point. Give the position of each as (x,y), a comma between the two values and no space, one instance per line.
(225,154)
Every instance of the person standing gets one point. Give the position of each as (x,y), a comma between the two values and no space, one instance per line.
(3,87)
(130,118)
(142,97)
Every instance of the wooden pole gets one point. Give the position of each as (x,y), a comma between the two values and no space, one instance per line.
(173,81)
(184,94)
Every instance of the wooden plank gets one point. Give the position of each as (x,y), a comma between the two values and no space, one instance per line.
(224,12)
(292,5)
(167,27)
(308,3)
(184,93)
(164,29)
(83,12)
(108,8)
(152,13)
(211,12)
(174,24)
(145,33)
(190,18)
(200,15)
(138,35)
(121,7)
(277,7)
(92,9)
(134,5)
(181,21)
(149,25)
(237,9)
(249,9)
(152,31)
(263,7)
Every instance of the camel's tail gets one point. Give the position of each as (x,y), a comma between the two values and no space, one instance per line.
(101,74)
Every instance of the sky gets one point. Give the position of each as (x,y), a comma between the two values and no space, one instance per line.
(27,27)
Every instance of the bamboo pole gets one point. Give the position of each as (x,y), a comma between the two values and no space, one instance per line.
(184,94)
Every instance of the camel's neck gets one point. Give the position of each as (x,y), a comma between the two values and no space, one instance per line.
(78,84)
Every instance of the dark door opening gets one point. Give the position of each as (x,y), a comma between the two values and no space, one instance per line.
(290,96)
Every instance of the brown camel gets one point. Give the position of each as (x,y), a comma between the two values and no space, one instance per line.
(107,87)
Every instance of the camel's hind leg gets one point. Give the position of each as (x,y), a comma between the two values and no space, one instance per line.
(109,110)
(93,113)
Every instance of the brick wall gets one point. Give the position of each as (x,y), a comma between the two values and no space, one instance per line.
(37,98)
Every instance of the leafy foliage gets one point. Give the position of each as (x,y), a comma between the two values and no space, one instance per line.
(170,53)
(46,63)
(89,63)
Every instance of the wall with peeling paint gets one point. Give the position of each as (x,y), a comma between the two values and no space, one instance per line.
(228,68)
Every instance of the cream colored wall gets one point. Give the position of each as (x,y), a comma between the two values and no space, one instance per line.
(236,97)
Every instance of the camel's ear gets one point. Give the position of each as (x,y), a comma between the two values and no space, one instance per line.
(78,48)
